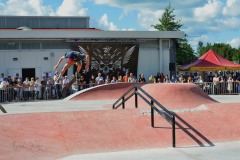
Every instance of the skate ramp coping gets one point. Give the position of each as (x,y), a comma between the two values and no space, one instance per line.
(170,95)
(102,92)
(175,95)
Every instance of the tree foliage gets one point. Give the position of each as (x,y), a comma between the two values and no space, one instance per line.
(225,50)
(168,21)
(185,53)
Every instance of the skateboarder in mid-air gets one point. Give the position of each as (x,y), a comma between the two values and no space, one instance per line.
(74,57)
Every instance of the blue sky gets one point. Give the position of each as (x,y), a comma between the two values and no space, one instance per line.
(211,21)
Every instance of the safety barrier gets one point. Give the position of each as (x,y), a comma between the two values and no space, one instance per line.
(49,92)
(219,88)
(54,91)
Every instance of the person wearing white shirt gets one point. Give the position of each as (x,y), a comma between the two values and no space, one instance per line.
(37,88)
(65,82)
(3,85)
(99,79)
(26,85)
(2,77)
(57,85)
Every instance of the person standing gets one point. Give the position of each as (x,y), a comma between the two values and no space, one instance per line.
(65,82)
(173,79)
(131,78)
(57,85)
(99,79)
(3,87)
(31,89)
(152,79)
(216,83)
(142,79)
(43,87)
(2,77)
(26,91)
(125,78)
(37,88)
(230,84)
(238,81)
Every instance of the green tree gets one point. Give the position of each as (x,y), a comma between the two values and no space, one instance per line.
(225,50)
(168,21)
(185,53)
(201,49)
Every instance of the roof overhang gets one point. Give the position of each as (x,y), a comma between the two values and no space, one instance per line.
(66,34)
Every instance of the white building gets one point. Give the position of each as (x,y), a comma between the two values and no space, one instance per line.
(31,46)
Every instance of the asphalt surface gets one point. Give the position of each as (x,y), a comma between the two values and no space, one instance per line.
(221,151)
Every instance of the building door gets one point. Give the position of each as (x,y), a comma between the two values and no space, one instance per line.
(28,72)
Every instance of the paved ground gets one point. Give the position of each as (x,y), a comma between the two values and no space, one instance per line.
(55,106)
(220,151)
(80,105)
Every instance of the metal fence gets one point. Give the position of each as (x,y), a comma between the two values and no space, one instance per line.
(219,88)
(50,92)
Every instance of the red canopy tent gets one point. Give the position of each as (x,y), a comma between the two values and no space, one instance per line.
(210,61)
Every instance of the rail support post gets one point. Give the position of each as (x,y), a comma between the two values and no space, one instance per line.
(173,131)
(123,103)
(152,114)
(136,98)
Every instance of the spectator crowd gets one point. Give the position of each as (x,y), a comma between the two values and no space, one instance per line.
(47,87)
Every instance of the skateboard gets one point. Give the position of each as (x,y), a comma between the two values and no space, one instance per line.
(67,86)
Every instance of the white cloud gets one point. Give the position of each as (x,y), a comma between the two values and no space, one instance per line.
(193,41)
(153,4)
(235,43)
(200,18)
(72,8)
(108,2)
(36,8)
(232,8)
(210,10)
(106,24)
(230,23)
(128,29)
(146,18)
(24,8)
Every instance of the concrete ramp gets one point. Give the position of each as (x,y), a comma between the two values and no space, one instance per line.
(176,95)
(170,95)
(47,136)
(54,135)
(106,91)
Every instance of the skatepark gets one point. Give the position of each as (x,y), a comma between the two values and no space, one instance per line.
(84,125)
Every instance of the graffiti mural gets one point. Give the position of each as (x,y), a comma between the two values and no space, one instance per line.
(108,57)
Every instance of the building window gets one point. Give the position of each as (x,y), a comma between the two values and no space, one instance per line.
(15,59)
(9,45)
(30,45)
(53,44)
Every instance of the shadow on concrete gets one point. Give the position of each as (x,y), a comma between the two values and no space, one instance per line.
(2,109)
(201,140)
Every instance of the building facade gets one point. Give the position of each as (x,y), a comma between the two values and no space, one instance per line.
(31,46)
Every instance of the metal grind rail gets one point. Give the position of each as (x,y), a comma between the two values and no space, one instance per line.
(153,103)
